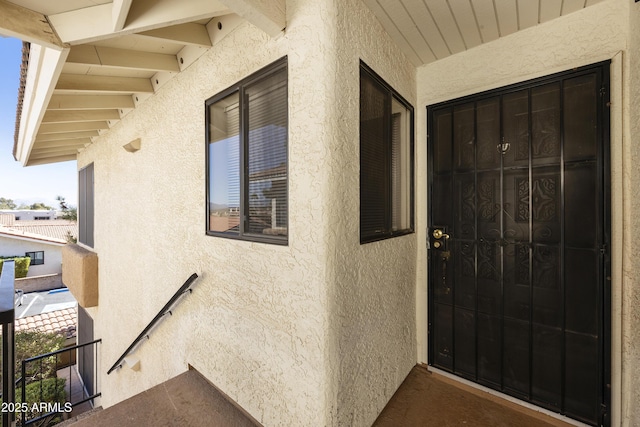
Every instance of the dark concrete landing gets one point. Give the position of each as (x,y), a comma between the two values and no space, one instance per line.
(186,400)
(429,399)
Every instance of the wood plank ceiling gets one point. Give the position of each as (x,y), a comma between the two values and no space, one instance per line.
(429,30)
(123,51)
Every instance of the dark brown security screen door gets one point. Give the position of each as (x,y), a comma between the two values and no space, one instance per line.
(519,222)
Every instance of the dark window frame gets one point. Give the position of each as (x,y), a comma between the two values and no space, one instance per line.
(392,95)
(34,259)
(86,205)
(243,233)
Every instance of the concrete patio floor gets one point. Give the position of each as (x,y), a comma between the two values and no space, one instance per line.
(430,399)
(187,400)
(424,399)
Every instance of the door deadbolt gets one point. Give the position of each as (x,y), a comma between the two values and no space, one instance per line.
(439,234)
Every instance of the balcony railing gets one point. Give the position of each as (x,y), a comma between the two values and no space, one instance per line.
(56,383)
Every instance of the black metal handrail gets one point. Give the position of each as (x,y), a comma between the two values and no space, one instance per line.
(26,407)
(186,287)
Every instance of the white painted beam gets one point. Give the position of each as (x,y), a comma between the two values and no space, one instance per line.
(119,14)
(190,34)
(48,160)
(123,85)
(27,25)
(45,66)
(268,15)
(72,127)
(76,142)
(219,27)
(90,102)
(122,58)
(52,138)
(86,25)
(70,116)
(55,151)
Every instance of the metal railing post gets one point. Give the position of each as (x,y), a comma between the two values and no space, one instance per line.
(23,383)
(7,318)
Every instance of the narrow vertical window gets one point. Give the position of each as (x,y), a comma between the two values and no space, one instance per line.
(85,205)
(386,160)
(247,158)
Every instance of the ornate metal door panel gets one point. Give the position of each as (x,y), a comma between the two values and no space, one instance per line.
(519,220)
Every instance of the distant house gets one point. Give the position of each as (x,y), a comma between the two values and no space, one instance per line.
(39,240)
(450,183)
(44,251)
(31,215)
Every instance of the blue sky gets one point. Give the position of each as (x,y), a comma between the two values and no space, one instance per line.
(34,183)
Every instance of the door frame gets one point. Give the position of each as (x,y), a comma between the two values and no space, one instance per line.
(610,303)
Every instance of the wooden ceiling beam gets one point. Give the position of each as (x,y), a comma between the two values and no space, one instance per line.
(47,160)
(119,13)
(268,15)
(70,116)
(189,34)
(108,84)
(53,137)
(72,127)
(123,58)
(27,25)
(90,102)
(88,24)
(62,143)
(47,152)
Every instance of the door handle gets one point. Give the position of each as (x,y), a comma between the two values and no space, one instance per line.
(439,234)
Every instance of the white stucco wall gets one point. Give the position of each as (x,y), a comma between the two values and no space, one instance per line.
(52,254)
(320,332)
(374,307)
(255,323)
(597,33)
(631,200)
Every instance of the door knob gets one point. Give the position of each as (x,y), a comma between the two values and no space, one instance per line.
(439,234)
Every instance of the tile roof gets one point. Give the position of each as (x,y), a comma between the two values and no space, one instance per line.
(56,229)
(11,232)
(7,219)
(63,321)
(24,67)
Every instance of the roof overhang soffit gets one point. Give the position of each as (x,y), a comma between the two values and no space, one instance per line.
(127,16)
(47,56)
(55,122)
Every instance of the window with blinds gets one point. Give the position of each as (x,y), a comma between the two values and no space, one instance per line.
(386,160)
(247,195)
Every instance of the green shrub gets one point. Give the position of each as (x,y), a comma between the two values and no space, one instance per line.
(50,390)
(21,265)
(31,343)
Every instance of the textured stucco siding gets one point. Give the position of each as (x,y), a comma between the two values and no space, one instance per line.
(320,332)
(374,308)
(256,322)
(52,254)
(595,34)
(631,200)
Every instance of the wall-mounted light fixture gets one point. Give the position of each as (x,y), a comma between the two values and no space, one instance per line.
(133,146)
